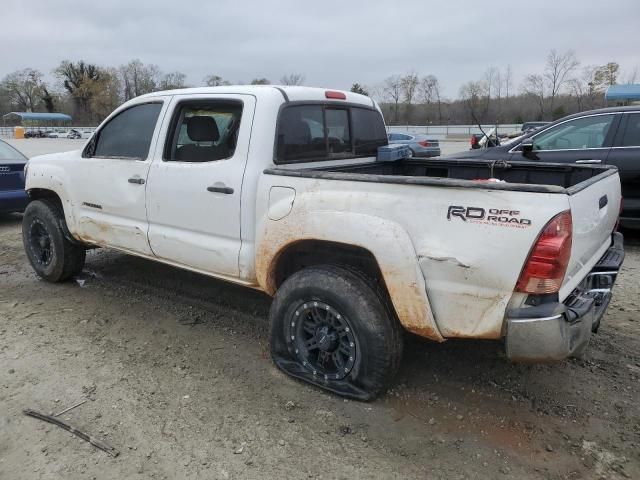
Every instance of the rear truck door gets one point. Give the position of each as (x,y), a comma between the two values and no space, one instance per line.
(195,182)
(584,140)
(594,213)
(625,155)
(108,181)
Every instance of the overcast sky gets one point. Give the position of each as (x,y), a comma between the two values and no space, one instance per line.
(333,43)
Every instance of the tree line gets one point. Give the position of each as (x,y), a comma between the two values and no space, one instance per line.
(563,87)
(90,92)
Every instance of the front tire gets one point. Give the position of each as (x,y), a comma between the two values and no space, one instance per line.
(330,326)
(51,254)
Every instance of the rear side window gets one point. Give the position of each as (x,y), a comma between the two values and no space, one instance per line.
(128,134)
(204,131)
(631,137)
(324,132)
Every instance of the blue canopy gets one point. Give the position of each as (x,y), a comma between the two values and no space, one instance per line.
(623,93)
(43,117)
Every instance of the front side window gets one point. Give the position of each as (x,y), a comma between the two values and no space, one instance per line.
(325,132)
(204,131)
(631,136)
(128,134)
(578,134)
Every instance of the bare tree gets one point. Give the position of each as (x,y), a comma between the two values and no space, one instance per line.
(508,80)
(534,87)
(471,93)
(392,88)
(23,88)
(292,79)
(138,79)
(173,80)
(260,81)
(214,81)
(558,70)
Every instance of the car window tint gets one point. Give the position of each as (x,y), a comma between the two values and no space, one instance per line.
(128,134)
(369,132)
(631,137)
(301,133)
(7,152)
(322,132)
(338,132)
(393,136)
(204,131)
(581,133)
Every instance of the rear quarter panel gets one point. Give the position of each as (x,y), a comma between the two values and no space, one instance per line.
(465,268)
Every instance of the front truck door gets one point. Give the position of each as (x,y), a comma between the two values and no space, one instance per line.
(195,182)
(108,181)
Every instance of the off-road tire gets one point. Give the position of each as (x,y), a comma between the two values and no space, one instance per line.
(375,330)
(66,258)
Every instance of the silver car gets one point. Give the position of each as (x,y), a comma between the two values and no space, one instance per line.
(420,145)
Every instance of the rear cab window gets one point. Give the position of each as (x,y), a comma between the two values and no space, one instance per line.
(327,131)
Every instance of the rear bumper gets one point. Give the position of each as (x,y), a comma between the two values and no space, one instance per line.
(427,153)
(554,331)
(13,201)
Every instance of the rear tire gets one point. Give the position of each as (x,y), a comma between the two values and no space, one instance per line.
(331,326)
(51,254)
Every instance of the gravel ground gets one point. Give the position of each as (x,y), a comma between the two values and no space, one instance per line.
(176,370)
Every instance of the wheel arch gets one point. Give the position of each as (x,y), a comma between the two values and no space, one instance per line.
(376,246)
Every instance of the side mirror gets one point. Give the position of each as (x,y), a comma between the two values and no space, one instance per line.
(527,145)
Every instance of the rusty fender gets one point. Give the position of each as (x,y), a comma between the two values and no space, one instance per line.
(386,240)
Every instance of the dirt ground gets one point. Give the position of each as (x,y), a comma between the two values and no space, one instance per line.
(176,370)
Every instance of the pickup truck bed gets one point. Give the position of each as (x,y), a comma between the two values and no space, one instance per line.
(517,176)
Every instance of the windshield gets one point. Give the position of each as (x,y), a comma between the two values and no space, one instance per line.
(7,152)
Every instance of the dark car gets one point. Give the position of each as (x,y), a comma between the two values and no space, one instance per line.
(609,135)
(13,198)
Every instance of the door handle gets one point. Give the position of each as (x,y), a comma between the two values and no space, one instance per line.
(137,180)
(226,190)
(590,161)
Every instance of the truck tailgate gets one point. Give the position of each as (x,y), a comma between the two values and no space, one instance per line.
(594,210)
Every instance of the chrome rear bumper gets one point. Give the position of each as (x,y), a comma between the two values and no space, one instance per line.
(554,331)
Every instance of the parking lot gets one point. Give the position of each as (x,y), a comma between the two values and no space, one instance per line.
(177,373)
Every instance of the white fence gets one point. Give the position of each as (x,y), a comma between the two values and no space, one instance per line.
(443,131)
(7,132)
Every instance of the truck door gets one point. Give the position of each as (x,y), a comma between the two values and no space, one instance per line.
(195,182)
(579,140)
(107,181)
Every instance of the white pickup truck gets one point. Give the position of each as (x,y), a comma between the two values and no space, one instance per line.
(282,189)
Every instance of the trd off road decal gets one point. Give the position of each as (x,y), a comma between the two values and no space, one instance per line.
(491,216)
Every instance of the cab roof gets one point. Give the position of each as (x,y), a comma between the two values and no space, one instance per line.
(287,93)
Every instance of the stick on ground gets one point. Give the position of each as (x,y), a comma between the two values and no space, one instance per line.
(70,428)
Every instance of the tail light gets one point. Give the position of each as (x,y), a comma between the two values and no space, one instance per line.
(549,258)
(424,143)
(474,141)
